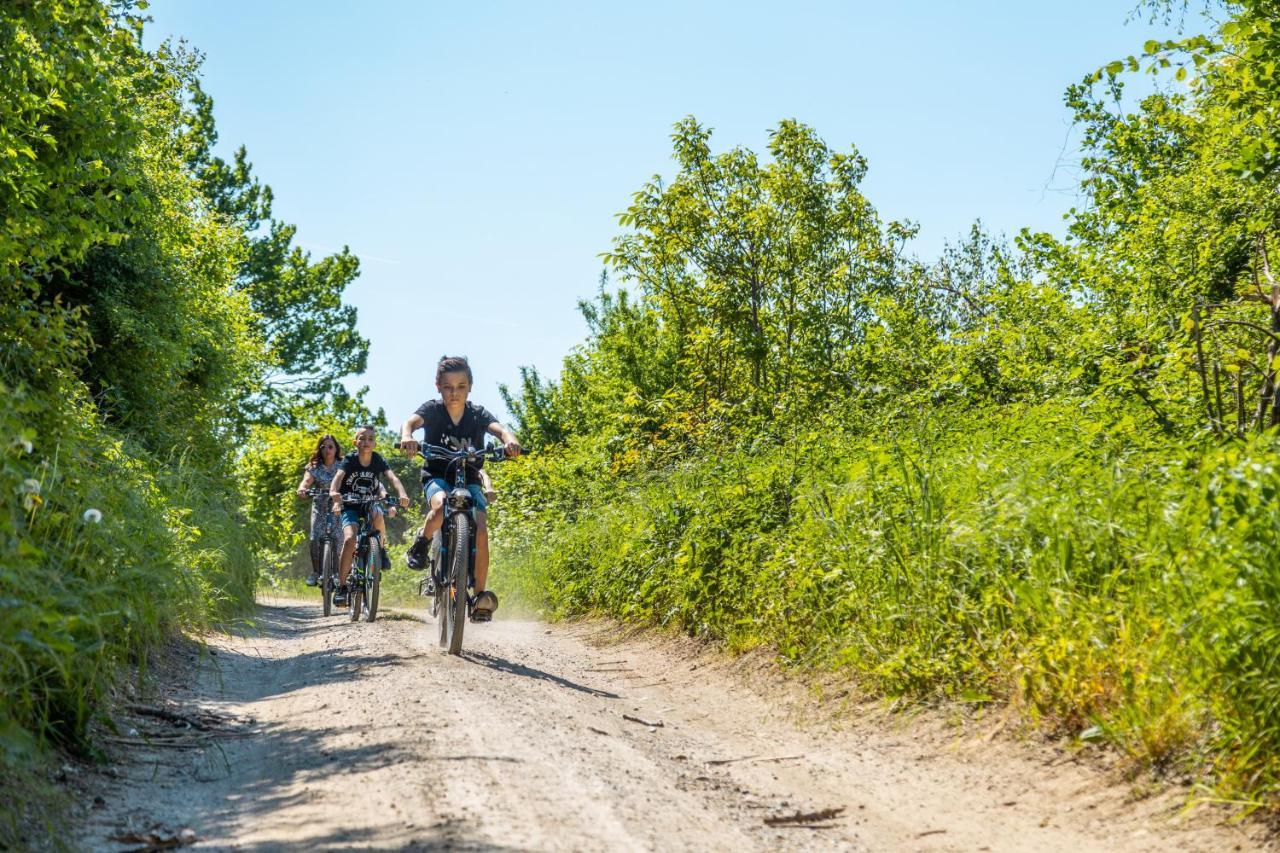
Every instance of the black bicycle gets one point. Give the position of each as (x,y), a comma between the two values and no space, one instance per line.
(329,560)
(365,578)
(453,547)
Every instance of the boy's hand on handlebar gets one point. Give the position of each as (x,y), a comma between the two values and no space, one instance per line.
(408,446)
(404,500)
(513,449)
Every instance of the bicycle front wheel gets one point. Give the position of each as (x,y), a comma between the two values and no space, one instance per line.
(355,580)
(373,579)
(326,577)
(459,558)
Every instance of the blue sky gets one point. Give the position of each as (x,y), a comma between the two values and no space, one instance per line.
(475,155)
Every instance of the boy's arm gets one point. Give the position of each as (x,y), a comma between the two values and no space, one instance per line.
(507,437)
(395,481)
(407,442)
(335,497)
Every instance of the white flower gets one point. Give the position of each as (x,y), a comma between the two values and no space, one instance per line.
(30,486)
(26,446)
(93,516)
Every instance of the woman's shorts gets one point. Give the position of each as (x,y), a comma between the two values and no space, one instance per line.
(431,487)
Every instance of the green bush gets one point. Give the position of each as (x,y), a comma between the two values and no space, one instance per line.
(1113,590)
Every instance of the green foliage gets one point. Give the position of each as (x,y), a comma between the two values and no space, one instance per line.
(297,303)
(83,597)
(68,67)
(143,321)
(1027,555)
(763,277)
(1042,473)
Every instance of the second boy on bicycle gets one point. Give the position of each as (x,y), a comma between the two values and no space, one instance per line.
(358,477)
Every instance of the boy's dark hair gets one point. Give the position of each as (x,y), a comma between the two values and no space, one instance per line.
(362,427)
(317,455)
(454,364)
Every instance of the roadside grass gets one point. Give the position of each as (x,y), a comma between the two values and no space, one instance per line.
(1110,590)
(105,550)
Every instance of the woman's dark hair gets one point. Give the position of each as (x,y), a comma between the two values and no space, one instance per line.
(453,364)
(317,455)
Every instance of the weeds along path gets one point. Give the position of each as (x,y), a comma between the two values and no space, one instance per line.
(314,733)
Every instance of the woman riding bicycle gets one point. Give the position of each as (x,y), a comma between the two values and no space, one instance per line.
(317,475)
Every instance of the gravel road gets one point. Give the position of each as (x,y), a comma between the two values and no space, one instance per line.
(314,733)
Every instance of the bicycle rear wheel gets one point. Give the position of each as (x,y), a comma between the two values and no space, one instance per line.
(355,580)
(373,579)
(456,604)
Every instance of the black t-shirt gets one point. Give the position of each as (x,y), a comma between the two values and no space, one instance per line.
(469,432)
(361,480)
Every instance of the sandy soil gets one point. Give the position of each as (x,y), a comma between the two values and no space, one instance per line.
(314,733)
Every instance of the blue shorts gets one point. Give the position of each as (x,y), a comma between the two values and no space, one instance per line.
(431,487)
(351,514)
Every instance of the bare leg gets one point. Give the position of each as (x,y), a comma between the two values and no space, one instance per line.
(348,553)
(435,516)
(381,526)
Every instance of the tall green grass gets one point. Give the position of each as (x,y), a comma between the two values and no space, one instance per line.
(104,550)
(1111,590)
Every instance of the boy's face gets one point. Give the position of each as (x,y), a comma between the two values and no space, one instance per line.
(364,440)
(454,387)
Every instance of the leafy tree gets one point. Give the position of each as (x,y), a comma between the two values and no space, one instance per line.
(172,340)
(71,71)
(310,333)
(760,278)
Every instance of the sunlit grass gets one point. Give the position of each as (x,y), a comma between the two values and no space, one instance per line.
(1112,591)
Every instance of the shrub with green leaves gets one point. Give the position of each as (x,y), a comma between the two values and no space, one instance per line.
(1112,588)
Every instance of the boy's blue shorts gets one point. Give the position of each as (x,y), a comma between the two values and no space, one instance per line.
(430,487)
(351,514)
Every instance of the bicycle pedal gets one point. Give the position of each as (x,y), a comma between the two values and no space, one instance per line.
(481,616)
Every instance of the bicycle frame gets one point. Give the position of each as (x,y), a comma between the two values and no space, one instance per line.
(452,602)
(363,580)
(331,546)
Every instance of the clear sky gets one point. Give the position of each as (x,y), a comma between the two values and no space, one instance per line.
(475,155)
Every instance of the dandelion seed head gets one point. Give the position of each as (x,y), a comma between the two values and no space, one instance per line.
(93,516)
(30,486)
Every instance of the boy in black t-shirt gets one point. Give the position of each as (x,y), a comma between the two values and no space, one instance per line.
(358,475)
(452,421)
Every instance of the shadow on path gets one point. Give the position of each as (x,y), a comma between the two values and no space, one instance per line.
(503,665)
(267,778)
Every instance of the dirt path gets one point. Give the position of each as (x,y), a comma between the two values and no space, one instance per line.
(321,734)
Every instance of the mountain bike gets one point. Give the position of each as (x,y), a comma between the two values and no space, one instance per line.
(329,561)
(453,550)
(365,578)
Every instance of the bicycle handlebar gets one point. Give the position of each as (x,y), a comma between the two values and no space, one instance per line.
(370,499)
(496,453)
(353,499)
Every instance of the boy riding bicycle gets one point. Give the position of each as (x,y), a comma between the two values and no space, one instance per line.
(358,476)
(454,422)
